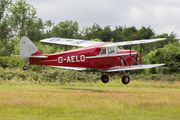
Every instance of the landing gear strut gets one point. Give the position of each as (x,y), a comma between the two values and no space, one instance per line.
(105,78)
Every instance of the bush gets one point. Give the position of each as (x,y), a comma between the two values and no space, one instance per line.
(64,76)
(156,77)
(48,75)
(170,55)
(11,62)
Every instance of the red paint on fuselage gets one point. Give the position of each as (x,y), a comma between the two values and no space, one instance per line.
(79,58)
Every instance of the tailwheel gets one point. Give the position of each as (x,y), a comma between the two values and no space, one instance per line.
(125,79)
(25,68)
(105,78)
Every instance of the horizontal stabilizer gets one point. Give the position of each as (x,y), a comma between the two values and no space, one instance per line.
(41,56)
(133,67)
(16,55)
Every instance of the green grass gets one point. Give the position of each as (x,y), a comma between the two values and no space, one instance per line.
(138,100)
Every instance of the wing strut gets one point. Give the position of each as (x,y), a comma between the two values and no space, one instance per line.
(130,50)
(66,48)
(140,53)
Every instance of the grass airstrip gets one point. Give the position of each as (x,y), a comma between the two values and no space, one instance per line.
(139,100)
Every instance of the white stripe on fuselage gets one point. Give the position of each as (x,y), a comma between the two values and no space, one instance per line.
(111,55)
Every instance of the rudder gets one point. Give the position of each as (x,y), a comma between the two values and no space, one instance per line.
(27,48)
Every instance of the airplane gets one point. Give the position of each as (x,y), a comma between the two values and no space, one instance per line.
(101,56)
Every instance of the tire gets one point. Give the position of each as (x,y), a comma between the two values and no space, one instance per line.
(24,68)
(105,78)
(125,79)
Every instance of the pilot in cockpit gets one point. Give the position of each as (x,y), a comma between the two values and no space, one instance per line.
(103,51)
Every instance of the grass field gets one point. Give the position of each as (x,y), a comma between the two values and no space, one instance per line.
(139,100)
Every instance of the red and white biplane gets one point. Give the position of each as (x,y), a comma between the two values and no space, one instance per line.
(104,57)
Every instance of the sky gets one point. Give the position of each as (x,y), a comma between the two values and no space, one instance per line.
(163,16)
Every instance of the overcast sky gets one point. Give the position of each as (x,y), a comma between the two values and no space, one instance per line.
(163,16)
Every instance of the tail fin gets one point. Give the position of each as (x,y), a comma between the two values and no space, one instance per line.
(27,48)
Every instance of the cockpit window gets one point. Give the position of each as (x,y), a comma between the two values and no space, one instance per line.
(117,49)
(103,51)
(111,50)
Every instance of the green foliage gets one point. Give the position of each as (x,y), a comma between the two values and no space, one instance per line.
(10,62)
(12,46)
(157,77)
(67,29)
(93,32)
(106,34)
(48,26)
(45,48)
(3,18)
(128,33)
(23,21)
(153,46)
(56,75)
(45,74)
(118,34)
(14,43)
(22,16)
(99,40)
(36,30)
(3,6)
(2,48)
(170,55)
(145,33)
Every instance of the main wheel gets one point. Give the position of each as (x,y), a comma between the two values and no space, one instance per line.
(125,79)
(105,78)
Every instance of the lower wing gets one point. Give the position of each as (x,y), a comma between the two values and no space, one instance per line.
(73,68)
(113,69)
(133,67)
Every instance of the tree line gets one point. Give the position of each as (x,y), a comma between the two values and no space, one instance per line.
(21,18)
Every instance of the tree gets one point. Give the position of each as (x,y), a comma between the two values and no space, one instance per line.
(36,30)
(48,27)
(170,55)
(117,34)
(84,33)
(93,32)
(22,16)
(128,33)
(145,33)
(106,34)
(160,44)
(67,29)
(4,4)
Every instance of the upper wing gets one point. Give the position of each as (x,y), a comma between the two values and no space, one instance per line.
(133,42)
(72,42)
(133,67)
(85,43)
